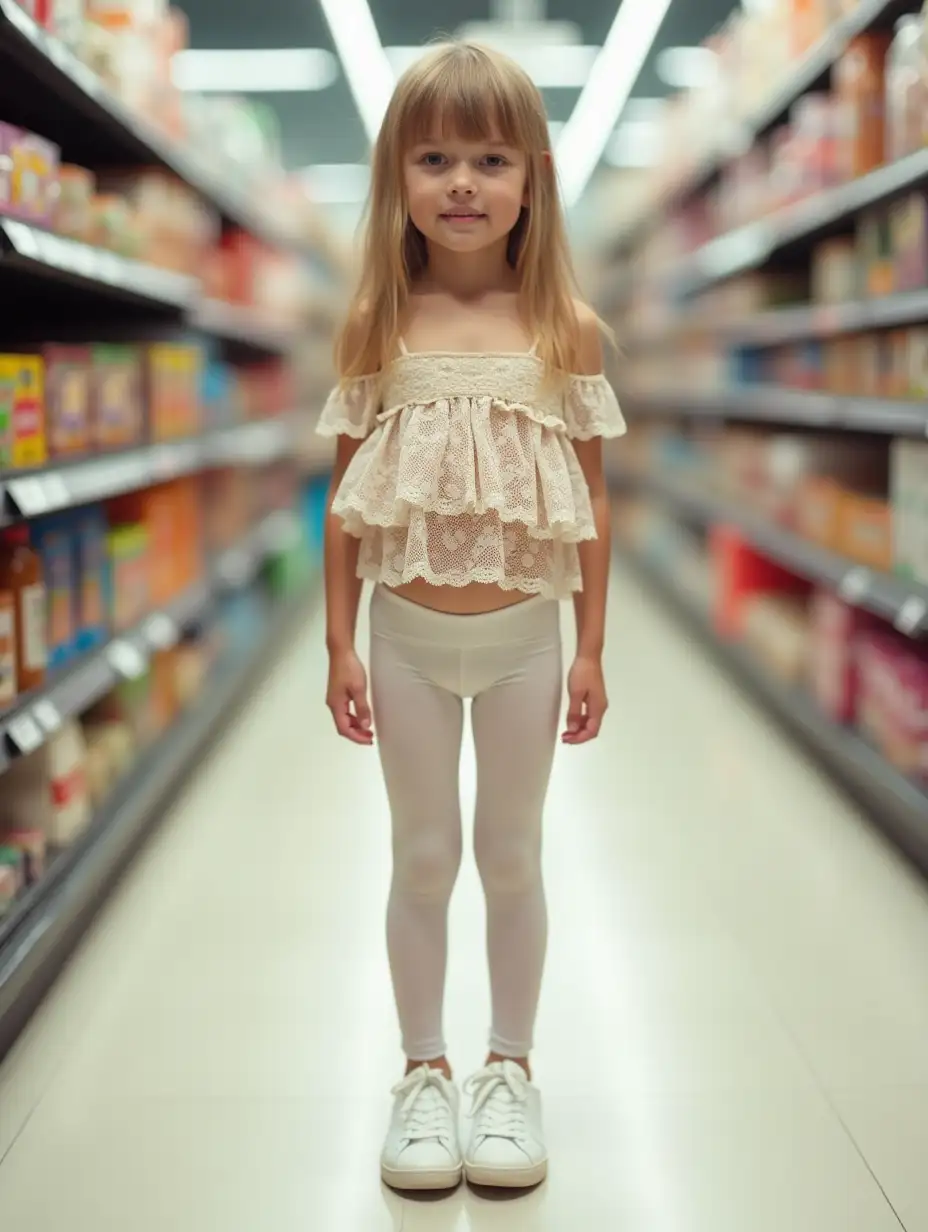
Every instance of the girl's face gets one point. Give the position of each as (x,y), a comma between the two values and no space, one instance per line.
(465,195)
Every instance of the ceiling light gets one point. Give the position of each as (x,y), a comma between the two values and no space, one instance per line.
(634,144)
(370,78)
(336,183)
(256,71)
(687,68)
(611,79)
(553,67)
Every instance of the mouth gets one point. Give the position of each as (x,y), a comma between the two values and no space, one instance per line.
(462,216)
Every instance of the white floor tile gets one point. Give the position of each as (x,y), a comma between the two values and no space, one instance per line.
(729,943)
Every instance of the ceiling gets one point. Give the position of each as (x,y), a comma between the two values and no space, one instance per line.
(323,126)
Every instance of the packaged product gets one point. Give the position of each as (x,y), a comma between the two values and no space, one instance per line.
(91,564)
(909,240)
(860,92)
(7,649)
(47,791)
(74,209)
(875,244)
(117,417)
(865,532)
(68,399)
(32,846)
(174,384)
(906,89)
(22,393)
(22,576)
(54,541)
(29,176)
(11,858)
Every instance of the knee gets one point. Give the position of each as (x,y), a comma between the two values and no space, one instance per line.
(427,867)
(508,867)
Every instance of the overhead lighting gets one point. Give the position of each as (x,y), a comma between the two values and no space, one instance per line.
(337,183)
(370,77)
(257,71)
(560,66)
(611,79)
(687,68)
(634,144)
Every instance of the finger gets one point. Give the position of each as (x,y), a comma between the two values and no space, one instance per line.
(595,713)
(346,725)
(362,709)
(575,716)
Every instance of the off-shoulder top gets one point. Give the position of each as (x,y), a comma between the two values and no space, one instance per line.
(467,472)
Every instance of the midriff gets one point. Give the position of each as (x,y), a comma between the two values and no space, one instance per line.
(472,600)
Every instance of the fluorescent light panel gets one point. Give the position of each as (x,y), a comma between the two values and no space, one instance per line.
(257,71)
(611,80)
(370,77)
(557,67)
(687,68)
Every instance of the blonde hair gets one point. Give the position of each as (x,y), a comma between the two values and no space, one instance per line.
(474,93)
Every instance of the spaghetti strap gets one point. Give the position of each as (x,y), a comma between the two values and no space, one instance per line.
(403,348)
(533,349)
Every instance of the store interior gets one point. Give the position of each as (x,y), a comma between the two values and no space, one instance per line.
(196,1023)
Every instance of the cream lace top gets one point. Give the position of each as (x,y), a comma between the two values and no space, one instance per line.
(467,472)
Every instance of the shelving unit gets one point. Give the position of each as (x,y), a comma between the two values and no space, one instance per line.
(723,391)
(899,806)
(57,288)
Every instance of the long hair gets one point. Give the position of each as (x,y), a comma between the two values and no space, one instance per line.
(476,94)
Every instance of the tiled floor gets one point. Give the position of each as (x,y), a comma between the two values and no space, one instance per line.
(733,1034)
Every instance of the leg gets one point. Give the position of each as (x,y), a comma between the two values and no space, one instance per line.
(515,733)
(419,729)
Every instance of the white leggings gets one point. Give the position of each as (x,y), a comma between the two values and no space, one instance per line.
(423,664)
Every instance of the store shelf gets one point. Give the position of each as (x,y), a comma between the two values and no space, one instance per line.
(242,327)
(46,924)
(779,405)
(237,567)
(814,67)
(27,726)
(36,493)
(32,252)
(897,805)
(904,604)
(52,92)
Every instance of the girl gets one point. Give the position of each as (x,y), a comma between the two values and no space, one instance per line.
(469,480)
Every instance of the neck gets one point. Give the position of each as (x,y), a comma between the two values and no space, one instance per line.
(471,274)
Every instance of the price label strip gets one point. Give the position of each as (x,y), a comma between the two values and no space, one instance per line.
(25,734)
(854,585)
(47,716)
(161,631)
(911,615)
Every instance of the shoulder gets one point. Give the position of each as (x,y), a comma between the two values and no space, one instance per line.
(590,354)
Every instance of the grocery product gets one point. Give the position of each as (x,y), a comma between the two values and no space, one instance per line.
(174,385)
(91,564)
(117,418)
(74,208)
(47,790)
(22,392)
(32,847)
(908,222)
(68,399)
(7,648)
(21,575)
(906,89)
(53,538)
(127,575)
(29,176)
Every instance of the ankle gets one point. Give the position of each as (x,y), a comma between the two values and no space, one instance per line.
(439,1063)
(496,1058)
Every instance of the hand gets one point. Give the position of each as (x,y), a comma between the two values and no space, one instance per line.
(346,697)
(587,702)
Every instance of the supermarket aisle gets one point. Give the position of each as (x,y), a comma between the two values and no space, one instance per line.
(733,1029)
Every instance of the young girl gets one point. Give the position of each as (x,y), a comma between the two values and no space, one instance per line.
(469,480)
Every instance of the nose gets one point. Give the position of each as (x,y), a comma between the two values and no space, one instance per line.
(462,181)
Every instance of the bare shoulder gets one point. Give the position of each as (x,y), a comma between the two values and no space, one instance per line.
(591,342)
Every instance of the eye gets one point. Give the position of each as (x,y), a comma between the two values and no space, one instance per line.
(432,159)
(495,161)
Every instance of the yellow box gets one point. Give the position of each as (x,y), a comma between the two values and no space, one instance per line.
(24,376)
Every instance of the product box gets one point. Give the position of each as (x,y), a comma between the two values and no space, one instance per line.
(53,539)
(917,351)
(908,223)
(28,176)
(174,385)
(22,402)
(875,244)
(31,844)
(835,271)
(860,93)
(127,576)
(865,533)
(117,407)
(7,650)
(68,399)
(819,511)
(91,567)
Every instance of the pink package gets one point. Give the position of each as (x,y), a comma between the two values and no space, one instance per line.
(840,638)
(28,176)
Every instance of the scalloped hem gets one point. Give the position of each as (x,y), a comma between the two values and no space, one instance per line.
(541,587)
(358,521)
(551,422)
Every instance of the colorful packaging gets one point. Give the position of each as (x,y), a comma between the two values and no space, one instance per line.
(909,240)
(860,92)
(21,379)
(91,564)
(8,688)
(32,846)
(29,181)
(53,539)
(127,576)
(68,399)
(174,384)
(117,417)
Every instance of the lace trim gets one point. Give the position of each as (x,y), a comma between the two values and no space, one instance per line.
(592,409)
(351,411)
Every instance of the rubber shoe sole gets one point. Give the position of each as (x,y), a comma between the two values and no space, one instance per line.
(422,1178)
(506,1178)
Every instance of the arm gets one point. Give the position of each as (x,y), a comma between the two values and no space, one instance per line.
(586,685)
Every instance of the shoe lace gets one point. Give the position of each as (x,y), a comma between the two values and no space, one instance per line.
(500,1094)
(426,1110)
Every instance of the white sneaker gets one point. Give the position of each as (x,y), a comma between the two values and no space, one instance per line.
(506,1146)
(423,1149)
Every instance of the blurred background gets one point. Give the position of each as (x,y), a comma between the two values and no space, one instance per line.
(180,194)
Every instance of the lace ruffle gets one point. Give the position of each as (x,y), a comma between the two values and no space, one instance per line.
(592,409)
(463,458)
(351,410)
